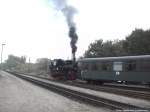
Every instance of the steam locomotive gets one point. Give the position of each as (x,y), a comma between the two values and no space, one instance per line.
(63,69)
(66,69)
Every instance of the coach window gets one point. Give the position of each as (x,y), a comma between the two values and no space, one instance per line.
(94,66)
(85,66)
(106,66)
(131,66)
(109,66)
(90,66)
(99,66)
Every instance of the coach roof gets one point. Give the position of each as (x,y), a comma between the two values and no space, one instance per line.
(115,58)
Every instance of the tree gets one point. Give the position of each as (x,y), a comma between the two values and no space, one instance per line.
(94,49)
(118,48)
(138,42)
(105,49)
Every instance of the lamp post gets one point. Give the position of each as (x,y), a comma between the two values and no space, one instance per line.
(2,53)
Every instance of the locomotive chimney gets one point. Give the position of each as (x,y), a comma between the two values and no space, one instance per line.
(73,58)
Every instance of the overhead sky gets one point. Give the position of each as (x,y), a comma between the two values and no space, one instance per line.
(34,28)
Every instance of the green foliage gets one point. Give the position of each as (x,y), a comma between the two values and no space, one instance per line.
(94,49)
(137,43)
(104,49)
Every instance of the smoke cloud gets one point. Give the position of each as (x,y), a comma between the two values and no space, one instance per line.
(69,12)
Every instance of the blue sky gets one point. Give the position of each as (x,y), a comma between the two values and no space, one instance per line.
(35,29)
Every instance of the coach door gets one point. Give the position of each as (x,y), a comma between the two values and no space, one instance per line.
(117,68)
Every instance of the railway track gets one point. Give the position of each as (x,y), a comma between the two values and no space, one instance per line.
(128,87)
(129,91)
(83,97)
(135,93)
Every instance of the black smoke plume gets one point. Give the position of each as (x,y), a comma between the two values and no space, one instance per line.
(68,11)
(74,38)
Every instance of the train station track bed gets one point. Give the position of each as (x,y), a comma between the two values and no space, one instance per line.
(81,96)
(125,90)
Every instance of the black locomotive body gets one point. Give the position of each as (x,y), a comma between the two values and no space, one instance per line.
(62,69)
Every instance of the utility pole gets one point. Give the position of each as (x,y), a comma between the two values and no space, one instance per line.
(2,53)
(29,69)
